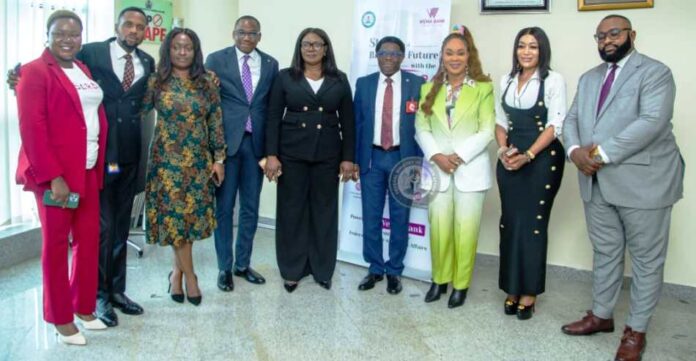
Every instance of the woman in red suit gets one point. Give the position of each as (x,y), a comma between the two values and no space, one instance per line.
(63,130)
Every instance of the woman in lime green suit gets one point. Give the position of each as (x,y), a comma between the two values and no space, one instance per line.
(454,124)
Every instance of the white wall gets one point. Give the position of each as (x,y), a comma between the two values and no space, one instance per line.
(665,32)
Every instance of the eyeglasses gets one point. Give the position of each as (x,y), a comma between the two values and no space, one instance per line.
(612,34)
(393,54)
(306,45)
(62,36)
(253,35)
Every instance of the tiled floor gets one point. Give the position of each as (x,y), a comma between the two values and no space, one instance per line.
(266,323)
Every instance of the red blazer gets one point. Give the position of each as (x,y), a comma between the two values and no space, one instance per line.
(52,128)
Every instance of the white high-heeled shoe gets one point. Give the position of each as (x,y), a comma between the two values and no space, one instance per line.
(95,324)
(77,339)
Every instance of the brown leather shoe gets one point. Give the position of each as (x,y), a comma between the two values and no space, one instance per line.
(632,346)
(589,325)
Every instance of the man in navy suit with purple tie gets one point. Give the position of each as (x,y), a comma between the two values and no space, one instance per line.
(385,106)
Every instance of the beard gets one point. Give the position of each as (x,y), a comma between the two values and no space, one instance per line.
(619,53)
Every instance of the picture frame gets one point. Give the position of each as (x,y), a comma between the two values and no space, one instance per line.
(502,6)
(591,5)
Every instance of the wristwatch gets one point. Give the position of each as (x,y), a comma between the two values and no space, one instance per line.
(596,155)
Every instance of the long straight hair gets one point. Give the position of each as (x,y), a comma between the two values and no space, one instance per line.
(473,66)
(544,52)
(328,62)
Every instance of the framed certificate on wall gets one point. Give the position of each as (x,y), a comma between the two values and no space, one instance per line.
(587,5)
(493,6)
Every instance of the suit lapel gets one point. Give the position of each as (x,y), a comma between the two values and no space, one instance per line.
(104,57)
(464,103)
(371,99)
(438,108)
(628,70)
(265,68)
(594,87)
(68,86)
(233,65)
(327,84)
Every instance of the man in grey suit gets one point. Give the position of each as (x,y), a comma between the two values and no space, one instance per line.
(246,75)
(619,134)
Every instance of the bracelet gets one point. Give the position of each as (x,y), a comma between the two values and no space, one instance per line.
(501,150)
(530,155)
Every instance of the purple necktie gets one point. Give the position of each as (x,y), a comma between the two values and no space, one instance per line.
(248,88)
(606,87)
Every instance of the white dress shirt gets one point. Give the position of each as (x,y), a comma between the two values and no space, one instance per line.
(396,108)
(91,97)
(118,62)
(619,65)
(254,63)
(525,98)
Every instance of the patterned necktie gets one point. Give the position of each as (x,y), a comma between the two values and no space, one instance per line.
(128,73)
(387,139)
(248,88)
(606,87)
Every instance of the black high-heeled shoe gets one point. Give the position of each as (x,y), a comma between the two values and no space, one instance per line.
(525,312)
(290,287)
(435,291)
(178,298)
(510,306)
(196,300)
(457,298)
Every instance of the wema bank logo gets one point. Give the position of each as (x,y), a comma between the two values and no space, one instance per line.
(432,17)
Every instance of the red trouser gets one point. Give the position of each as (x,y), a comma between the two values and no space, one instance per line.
(63,294)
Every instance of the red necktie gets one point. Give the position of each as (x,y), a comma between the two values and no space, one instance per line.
(387,139)
(606,87)
(128,73)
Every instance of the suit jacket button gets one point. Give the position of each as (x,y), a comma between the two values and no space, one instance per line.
(321,109)
(305,108)
(119,120)
(304,125)
(318,126)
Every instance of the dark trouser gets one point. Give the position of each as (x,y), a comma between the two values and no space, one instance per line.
(374,188)
(243,174)
(116,203)
(307,219)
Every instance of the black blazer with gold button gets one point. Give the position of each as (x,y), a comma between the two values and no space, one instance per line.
(308,126)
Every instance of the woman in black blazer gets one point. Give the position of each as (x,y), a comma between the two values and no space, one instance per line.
(309,144)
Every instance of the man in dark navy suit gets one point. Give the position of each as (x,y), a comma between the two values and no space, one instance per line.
(246,75)
(385,107)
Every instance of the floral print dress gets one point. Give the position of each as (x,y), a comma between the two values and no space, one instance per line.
(188,138)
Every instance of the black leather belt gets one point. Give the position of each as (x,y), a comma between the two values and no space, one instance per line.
(392,149)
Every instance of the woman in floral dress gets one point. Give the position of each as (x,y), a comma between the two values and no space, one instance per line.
(186,156)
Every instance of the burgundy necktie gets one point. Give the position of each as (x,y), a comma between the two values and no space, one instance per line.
(606,88)
(387,139)
(128,73)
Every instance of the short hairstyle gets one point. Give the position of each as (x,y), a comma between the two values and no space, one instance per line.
(610,16)
(62,14)
(328,62)
(393,40)
(544,64)
(134,9)
(248,17)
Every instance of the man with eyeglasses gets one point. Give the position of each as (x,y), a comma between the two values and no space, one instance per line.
(385,106)
(246,75)
(619,135)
